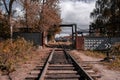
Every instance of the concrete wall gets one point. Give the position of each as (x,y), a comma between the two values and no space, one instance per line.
(36,37)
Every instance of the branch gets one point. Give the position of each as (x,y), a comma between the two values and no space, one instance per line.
(10,6)
(5,6)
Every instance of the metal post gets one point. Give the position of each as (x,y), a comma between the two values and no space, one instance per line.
(107,58)
(72,37)
(75,35)
(11,28)
(42,19)
(11,32)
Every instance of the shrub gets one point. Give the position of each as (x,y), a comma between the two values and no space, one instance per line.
(96,54)
(116,49)
(13,52)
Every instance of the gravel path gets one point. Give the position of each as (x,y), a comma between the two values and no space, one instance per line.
(106,73)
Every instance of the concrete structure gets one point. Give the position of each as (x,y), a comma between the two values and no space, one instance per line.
(35,37)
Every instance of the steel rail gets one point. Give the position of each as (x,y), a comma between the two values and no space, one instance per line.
(46,66)
(83,73)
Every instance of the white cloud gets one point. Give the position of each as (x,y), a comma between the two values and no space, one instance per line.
(19,11)
(76,12)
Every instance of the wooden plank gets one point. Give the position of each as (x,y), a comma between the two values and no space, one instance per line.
(62,76)
(35,72)
(61,68)
(31,77)
(61,71)
(62,65)
(90,71)
(38,68)
(87,68)
(62,79)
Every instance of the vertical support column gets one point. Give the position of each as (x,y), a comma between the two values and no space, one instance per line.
(75,35)
(72,37)
(42,19)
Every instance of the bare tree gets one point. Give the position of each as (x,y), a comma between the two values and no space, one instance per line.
(9,8)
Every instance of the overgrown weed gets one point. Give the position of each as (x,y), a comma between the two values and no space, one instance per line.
(95,54)
(12,53)
(115,51)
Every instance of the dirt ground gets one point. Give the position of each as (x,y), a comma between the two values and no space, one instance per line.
(102,69)
(23,69)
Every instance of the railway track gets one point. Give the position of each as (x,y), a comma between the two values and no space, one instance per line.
(36,72)
(60,65)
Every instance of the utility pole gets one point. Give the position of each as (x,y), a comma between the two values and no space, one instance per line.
(11,28)
(42,19)
(26,15)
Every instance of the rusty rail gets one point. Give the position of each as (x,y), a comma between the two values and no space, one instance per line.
(82,74)
(46,66)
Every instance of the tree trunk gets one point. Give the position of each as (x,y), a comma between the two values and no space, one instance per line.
(44,39)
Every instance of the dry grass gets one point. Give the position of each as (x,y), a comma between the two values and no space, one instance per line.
(23,68)
(115,51)
(12,53)
(114,64)
(94,54)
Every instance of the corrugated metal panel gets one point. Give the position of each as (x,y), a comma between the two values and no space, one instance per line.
(99,43)
(95,43)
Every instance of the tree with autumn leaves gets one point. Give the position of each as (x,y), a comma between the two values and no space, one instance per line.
(40,15)
(106,17)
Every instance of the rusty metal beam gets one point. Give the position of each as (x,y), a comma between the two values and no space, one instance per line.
(74,32)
